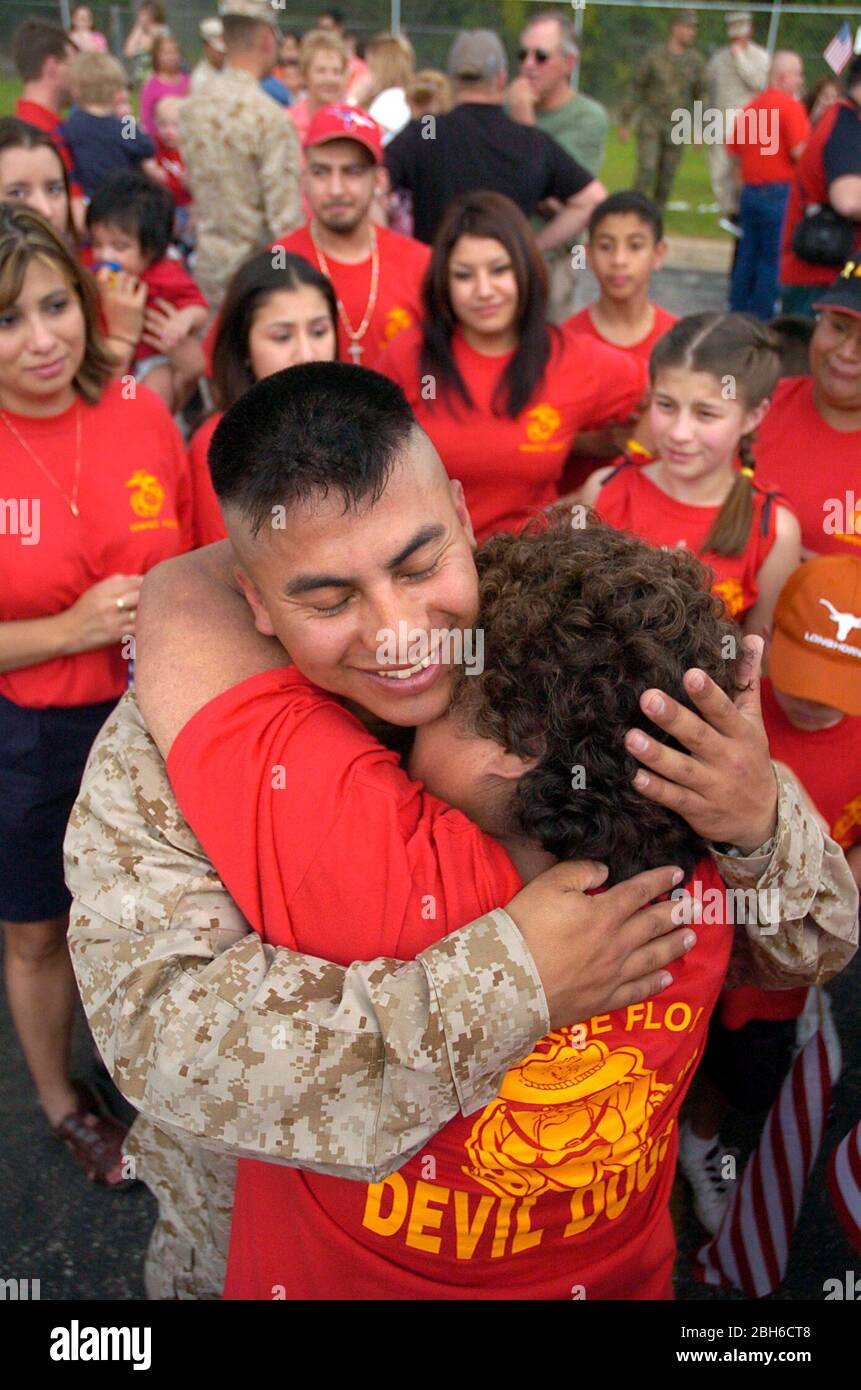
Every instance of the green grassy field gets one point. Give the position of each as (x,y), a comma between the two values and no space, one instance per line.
(692,184)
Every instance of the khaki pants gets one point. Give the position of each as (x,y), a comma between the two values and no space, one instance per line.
(723,172)
(561,287)
(187,1254)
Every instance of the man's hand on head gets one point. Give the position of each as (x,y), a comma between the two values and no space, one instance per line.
(596,954)
(194,638)
(724,786)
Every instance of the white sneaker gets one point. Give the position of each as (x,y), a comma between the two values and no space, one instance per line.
(711,1190)
(807,1024)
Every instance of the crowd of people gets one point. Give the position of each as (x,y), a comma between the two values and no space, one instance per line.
(364,607)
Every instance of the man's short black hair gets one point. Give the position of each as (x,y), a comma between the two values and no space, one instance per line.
(305,430)
(139,207)
(33,43)
(628,200)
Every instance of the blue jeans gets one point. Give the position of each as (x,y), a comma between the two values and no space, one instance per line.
(753,288)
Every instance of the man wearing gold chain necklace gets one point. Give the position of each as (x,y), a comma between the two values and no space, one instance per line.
(376,274)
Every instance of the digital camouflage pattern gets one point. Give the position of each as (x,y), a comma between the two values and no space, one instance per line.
(254,1050)
(735,77)
(663,83)
(242,159)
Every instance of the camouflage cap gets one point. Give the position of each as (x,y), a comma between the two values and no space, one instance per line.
(688,17)
(738,19)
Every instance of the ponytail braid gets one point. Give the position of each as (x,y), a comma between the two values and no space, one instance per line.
(730,531)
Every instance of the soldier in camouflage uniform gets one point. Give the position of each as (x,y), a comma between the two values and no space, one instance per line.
(670,78)
(241,153)
(223,1041)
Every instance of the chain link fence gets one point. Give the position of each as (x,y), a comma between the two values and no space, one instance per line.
(613,33)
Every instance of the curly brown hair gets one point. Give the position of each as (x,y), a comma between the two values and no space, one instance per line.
(578,623)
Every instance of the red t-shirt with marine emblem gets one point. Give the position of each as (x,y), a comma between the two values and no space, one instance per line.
(816,467)
(134,499)
(403,262)
(559,1187)
(827,762)
(630,501)
(510,468)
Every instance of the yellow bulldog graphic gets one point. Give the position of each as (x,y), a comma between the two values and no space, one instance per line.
(542,421)
(732,593)
(564,1118)
(148,499)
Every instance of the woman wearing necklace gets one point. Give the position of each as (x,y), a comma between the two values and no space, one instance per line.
(96,488)
(501,392)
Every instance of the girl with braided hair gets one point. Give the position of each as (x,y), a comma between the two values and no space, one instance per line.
(711,379)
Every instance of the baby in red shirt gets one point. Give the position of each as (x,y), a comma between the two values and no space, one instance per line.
(130,223)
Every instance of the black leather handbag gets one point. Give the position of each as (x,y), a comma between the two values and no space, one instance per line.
(823,236)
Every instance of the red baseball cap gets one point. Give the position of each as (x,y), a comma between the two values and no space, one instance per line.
(340,122)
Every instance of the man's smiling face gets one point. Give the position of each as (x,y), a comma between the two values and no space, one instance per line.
(331,584)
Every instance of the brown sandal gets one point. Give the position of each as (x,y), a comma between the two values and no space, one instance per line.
(95,1139)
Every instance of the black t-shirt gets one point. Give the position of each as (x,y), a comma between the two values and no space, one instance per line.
(478,146)
(841,153)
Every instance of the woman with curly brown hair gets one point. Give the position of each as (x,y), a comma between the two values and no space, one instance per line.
(564,1179)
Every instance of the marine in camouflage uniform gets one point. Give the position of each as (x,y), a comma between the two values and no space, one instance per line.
(242,160)
(223,1041)
(665,82)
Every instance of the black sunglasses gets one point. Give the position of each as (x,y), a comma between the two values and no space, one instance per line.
(539,54)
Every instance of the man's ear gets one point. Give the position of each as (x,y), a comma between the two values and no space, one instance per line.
(262,621)
(659,255)
(462,510)
(508,766)
(382,182)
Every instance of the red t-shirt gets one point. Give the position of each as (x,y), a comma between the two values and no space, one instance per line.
(833,150)
(827,762)
(134,499)
(564,1179)
(44,119)
(168,279)
(403,263)
(208,522)
(817,468)
(171,160)
(630,501)
(579,466)
(760,161)
(511,468)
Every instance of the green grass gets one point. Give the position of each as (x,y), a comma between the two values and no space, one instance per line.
(692,182)
(692,186)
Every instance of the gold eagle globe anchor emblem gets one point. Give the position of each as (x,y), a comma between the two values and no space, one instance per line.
(148,498)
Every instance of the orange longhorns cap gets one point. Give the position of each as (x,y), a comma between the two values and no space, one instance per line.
(816,643)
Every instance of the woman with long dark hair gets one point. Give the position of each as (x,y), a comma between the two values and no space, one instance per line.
(97,493)
(32,173)
(501,392)
(276,314)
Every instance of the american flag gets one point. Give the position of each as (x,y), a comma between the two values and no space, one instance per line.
(844,1183)
(839,51)
(750,1249)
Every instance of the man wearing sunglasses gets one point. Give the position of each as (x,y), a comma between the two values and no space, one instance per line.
(542,96)
(476,145)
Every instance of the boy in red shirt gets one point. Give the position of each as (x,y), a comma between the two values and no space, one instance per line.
(562,1183)
(626,245)
(811,708)
(768,138)
(130,222)
(171,164)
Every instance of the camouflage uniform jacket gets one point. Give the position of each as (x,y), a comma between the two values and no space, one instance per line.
(264,1053)
(242,159)
(735,78)
(663,83)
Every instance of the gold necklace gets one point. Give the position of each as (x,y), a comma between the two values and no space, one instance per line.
(354,334)
(72,501)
